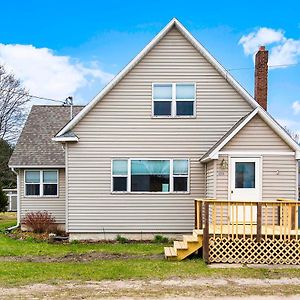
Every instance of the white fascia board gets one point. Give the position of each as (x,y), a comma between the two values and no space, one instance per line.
(138,58)
(38,167)
(65,139)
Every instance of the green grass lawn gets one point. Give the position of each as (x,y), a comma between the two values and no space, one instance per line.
(23,272)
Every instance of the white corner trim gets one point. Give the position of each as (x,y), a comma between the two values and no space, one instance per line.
(65,139)
(298,155)
(133,63)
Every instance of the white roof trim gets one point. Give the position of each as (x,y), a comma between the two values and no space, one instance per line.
(38,167)
(65,139)
(137,59)
(273,125)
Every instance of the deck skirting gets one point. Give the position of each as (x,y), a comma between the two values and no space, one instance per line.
(250,251)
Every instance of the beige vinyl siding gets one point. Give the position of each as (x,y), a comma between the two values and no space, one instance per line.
(211,180)
(257,135)
(279,176)
(121,126)
(54,205)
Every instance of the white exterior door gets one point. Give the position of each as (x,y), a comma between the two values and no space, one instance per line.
(245,182)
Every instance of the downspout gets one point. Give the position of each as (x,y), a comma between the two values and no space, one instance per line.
(18,202)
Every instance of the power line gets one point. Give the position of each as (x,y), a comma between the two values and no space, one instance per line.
(33,96)
(270,66)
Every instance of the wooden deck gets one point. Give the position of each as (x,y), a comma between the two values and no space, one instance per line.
(249,231)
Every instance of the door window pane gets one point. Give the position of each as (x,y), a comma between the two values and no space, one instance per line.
(120,167)
(184,108)
(162,91)
(185,91)
(245,175)
(162,108)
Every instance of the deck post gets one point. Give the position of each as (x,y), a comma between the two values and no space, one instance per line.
(259,221)
(206,233)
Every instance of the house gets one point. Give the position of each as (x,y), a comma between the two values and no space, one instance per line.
(172,126)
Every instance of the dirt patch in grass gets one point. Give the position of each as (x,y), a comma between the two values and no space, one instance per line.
(199,288)
(84,257)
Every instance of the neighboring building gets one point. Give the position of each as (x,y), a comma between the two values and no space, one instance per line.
(12,199)
(170,127)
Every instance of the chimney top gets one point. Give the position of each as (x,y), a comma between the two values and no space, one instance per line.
(261,77)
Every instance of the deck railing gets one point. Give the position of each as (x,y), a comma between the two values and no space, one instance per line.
(247,220)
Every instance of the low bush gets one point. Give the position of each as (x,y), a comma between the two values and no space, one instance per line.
(121,239)
(159,239)
(39,222)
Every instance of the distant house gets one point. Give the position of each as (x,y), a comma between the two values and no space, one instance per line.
(172,126)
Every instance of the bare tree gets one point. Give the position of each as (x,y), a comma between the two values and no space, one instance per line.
(293,134)
(13,99)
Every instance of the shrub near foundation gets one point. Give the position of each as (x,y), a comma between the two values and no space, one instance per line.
(39,222)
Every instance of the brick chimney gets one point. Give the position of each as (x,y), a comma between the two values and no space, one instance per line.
(261,77)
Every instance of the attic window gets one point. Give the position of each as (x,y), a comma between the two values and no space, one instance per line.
(174,99)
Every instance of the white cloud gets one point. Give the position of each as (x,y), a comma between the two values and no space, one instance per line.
(296,107)
(283,50)
(49,75)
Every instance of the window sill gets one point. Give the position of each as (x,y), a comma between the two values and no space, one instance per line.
(54,196)
(151,193)
(173,117)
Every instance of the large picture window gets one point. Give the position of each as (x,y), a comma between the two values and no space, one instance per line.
(150,175)
(41,183)
(174,99)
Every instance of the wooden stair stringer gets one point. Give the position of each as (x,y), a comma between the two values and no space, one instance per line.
(182,249)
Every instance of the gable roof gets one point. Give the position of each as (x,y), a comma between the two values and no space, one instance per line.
(34,146)
(213,152)
(173,23)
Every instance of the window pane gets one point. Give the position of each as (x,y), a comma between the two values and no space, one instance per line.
(150,183)
(184,108)
(162,108)
(180,167)
(120,184)
(50,189)
(180,184)
(120,167)
(162,91)
(32,189)
(245,175)
(50,176)
(32,176)
(185,91)
(150,167)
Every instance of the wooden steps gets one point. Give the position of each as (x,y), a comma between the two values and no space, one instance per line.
(182,249)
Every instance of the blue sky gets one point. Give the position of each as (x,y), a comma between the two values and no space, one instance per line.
(59,48)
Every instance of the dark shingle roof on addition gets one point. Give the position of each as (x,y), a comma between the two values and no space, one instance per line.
(35,146)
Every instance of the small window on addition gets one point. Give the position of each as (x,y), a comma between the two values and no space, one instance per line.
(120,175)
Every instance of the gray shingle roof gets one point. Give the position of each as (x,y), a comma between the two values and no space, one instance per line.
(224,137)
(35,146)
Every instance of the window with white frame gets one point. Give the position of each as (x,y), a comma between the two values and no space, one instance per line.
(41,183)
(150,175)
(120,175)
(174,99)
